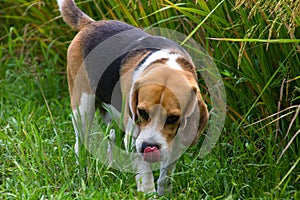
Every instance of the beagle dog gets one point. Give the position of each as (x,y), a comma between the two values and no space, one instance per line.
(151,78)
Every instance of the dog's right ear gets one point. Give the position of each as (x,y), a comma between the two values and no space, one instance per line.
(133,102)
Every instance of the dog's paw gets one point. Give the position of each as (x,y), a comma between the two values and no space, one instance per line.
(111,143)
(112,135)
(164,187)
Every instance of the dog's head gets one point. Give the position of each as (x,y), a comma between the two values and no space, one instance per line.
(165,102)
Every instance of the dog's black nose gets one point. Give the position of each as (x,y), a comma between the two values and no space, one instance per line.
(146,144)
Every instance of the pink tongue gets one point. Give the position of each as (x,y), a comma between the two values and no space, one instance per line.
(151,154)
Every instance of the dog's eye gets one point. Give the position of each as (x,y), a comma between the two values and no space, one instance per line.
(172,119)
(143,114)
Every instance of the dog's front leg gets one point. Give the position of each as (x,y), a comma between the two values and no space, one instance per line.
(164,184)
(144,177)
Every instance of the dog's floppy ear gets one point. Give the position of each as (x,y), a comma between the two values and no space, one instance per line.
(132,102)
(194,119)
(204,115)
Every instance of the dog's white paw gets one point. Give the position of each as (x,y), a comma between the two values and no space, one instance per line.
(111,143)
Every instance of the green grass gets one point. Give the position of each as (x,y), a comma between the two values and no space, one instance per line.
(256,49)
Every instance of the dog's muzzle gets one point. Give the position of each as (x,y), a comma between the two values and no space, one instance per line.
(151,152)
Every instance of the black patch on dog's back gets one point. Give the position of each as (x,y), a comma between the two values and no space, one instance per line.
(109,81)
(101,31)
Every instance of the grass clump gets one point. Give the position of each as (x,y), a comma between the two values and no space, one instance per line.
(255,45)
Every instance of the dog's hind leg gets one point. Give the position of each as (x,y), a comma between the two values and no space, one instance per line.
(82,118)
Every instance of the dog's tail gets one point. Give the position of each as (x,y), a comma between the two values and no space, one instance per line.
(72,15)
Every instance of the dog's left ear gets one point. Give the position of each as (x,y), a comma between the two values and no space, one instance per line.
(204,115)
(195,118)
